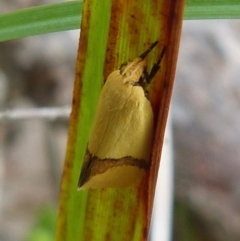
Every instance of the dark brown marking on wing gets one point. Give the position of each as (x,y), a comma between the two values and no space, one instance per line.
(93,165)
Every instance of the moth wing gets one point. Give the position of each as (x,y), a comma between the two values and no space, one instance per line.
(123,124)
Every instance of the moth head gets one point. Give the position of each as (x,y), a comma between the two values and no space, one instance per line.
(133,71)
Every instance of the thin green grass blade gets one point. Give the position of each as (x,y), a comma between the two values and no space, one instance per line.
(212,9)
(67,16)
(40,20)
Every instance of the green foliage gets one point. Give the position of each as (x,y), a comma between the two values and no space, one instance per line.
(44,227)
(188,224)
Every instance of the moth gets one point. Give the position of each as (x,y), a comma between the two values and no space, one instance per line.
(119,147)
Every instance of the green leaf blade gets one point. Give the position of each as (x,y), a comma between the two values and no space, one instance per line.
(40,20)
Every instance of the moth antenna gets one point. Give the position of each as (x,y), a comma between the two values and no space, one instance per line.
(156,66)
(161,56)
(144,54)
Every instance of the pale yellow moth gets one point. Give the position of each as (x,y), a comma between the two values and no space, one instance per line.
(120,143)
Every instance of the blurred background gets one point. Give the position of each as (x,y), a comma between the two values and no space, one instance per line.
(39,72)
